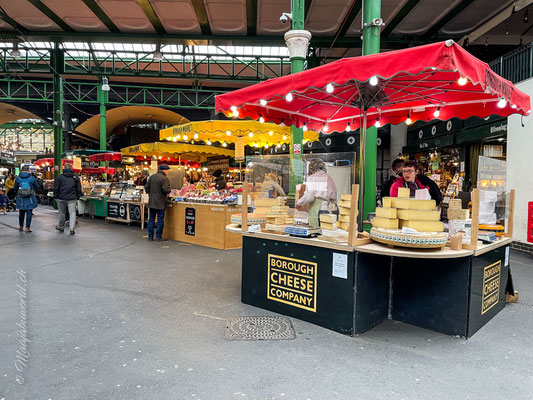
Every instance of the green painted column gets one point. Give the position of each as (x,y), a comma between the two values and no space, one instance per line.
(371,45)
(296,163)
(103,96)
(57,64)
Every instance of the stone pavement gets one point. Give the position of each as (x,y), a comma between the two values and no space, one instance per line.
(110,315)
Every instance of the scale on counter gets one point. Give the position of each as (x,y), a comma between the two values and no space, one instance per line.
(302,230)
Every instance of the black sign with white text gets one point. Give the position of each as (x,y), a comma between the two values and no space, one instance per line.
(190,221)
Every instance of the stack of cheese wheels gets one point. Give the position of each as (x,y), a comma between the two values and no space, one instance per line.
(328,221)
(344,211)
(264,205)
(401,211)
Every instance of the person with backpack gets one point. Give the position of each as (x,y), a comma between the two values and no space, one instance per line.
(67,191)
(25,187)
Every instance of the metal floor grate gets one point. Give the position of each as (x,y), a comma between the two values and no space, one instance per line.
(527,305)
(259,328)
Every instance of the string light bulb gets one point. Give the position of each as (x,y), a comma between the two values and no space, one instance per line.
(408,121)
(278,145)
(224,144)
(233,108)
(325,128)
(349,128)
(377,124)
(185,137)
(228,133)
(284,137)
(263,102)
(208,142)
(436,114)
(502,102)
(329,88)
(236,113)
(251,134)
(462,81)
(373,80)
(289,97)
(270,133)
(174,139)
(196,136)
(304,128)
(261,119)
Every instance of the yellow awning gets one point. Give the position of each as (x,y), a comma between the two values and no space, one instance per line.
(186,151)
(252,133)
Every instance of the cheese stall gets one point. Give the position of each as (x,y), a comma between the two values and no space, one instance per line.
(411,266)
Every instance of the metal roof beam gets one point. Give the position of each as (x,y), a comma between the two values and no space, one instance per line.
(399,17)
(251,17)
(50,14)
(101,15)
(4,16)
(356,7)
(201,14)
(458,9)
(152,16)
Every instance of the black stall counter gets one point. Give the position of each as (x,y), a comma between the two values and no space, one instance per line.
(352,289)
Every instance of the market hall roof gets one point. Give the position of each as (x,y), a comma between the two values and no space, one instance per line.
(335,23)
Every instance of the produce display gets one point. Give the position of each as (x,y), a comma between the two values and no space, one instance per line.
(199,194)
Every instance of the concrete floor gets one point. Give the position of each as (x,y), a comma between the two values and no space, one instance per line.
(113,316)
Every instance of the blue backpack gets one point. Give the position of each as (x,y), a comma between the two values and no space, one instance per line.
(25,188)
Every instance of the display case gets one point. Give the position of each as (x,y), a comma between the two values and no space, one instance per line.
(100,189)
(132,193)
(115,190)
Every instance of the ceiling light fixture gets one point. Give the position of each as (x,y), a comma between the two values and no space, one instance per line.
(15,52)
(157,53)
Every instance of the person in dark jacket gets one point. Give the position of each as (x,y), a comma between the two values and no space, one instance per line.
(67,191)
(220,183)
(158,188)
(25,187)
(397,165)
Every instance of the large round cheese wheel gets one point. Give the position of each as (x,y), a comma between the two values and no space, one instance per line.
(395,237)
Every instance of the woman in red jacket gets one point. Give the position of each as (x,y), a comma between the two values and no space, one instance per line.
(407,180)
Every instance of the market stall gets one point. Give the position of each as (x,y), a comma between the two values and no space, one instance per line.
(449,283)
(197,213)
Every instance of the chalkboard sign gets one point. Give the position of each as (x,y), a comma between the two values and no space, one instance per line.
(190,221)
(117,210)
(135,212)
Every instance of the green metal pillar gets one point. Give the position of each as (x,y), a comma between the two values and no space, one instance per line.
(103,96)
(368,144)
(297,135)
(57,63)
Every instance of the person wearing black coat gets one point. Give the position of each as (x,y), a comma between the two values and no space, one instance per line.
(67,191)
(158,188)
(397,164)
(220,183)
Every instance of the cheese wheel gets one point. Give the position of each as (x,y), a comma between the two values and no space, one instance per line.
(404,192)
(419,215)
(389,223)
(423,226)
(385,212)
(329,218)
(413,204)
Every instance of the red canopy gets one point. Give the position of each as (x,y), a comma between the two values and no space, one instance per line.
(117,156)
(440,80)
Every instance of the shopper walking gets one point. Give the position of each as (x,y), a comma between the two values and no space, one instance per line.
(158,188)
(67,191)
(3,201)
(25,187)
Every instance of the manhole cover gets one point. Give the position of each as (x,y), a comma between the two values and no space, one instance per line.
(259,328)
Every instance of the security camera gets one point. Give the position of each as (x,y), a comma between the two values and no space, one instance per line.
(285,17)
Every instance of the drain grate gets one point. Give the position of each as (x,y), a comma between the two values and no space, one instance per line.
(527,305)
(259,328)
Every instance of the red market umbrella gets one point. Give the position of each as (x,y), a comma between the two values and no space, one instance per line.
(440,80)
(116,156)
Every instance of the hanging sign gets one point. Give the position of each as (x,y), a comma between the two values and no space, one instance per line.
(190,221)
(239,149)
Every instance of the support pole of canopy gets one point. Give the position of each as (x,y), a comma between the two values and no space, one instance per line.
(297,40)
(369,136)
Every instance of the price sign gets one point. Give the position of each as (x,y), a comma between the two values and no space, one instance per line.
(190,221)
